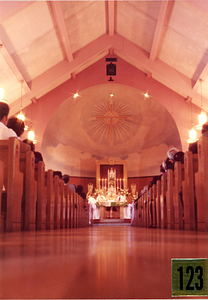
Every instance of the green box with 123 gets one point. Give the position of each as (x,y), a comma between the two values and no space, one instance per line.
(189,277)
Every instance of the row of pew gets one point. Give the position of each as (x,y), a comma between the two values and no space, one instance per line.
(179,200)
(31,198)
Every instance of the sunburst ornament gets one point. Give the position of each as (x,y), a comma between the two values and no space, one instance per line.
(111,119)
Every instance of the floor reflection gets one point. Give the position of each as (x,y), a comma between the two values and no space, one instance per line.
(97,262)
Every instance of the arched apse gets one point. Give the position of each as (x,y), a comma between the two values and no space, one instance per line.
(126,126)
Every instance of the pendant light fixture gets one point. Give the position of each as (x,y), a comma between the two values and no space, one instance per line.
(21,116)
(192,132)
(31,133)
(203,115)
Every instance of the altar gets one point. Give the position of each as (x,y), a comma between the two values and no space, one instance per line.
(110,198)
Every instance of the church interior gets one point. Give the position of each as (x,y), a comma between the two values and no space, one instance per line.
(106,88)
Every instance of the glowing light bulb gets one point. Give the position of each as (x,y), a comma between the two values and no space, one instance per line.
(146,95)
(192,134)
(75,95)
(21,116)
(202,118)
(31,135)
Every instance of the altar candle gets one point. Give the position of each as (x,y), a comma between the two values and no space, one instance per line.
(102,183)
(105,182)
(117,183)
(120,183)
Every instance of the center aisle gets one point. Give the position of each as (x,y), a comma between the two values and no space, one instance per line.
(96,262)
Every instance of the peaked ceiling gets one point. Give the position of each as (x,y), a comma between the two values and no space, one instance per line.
(43,44)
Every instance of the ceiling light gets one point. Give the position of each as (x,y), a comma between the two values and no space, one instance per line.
(21,116)
(76,95)
(192,131)
(31,135)
(146,95)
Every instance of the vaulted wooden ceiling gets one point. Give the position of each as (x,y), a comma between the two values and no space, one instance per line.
(45,43)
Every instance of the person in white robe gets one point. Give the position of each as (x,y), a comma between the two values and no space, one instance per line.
(92,203)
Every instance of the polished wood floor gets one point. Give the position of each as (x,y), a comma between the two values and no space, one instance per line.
(96,262)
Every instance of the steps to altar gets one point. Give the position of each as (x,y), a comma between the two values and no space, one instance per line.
(112,222)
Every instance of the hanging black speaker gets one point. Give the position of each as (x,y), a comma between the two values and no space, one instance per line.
(111,69)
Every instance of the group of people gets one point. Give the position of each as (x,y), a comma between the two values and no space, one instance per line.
(110,196)
(96,200)
(173,155)
(14,127)
(66,178)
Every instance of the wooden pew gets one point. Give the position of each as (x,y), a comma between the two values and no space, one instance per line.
(201,185)
(154,207)
(57,202)
(71,208)
(150,207)
(178,195)
(163,201)
(170,203)
(67,206)
(2,214)
(73,202)
(50,200)
(27,167)
(142,205)
(41,196)
(87,223)
(189,198)
(78,211)
(134,214)
(81,212)
(158,203)
(146,210)
(13,182)
(75,210)
(63,204)
(140,212)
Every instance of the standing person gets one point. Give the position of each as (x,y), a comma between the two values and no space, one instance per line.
(5,132)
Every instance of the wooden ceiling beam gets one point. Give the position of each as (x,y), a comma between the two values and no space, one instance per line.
(202,77)
(97,49)
(10,8)
(8,58)
(111,17)
(62,31)
(164,12)
(140,59)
